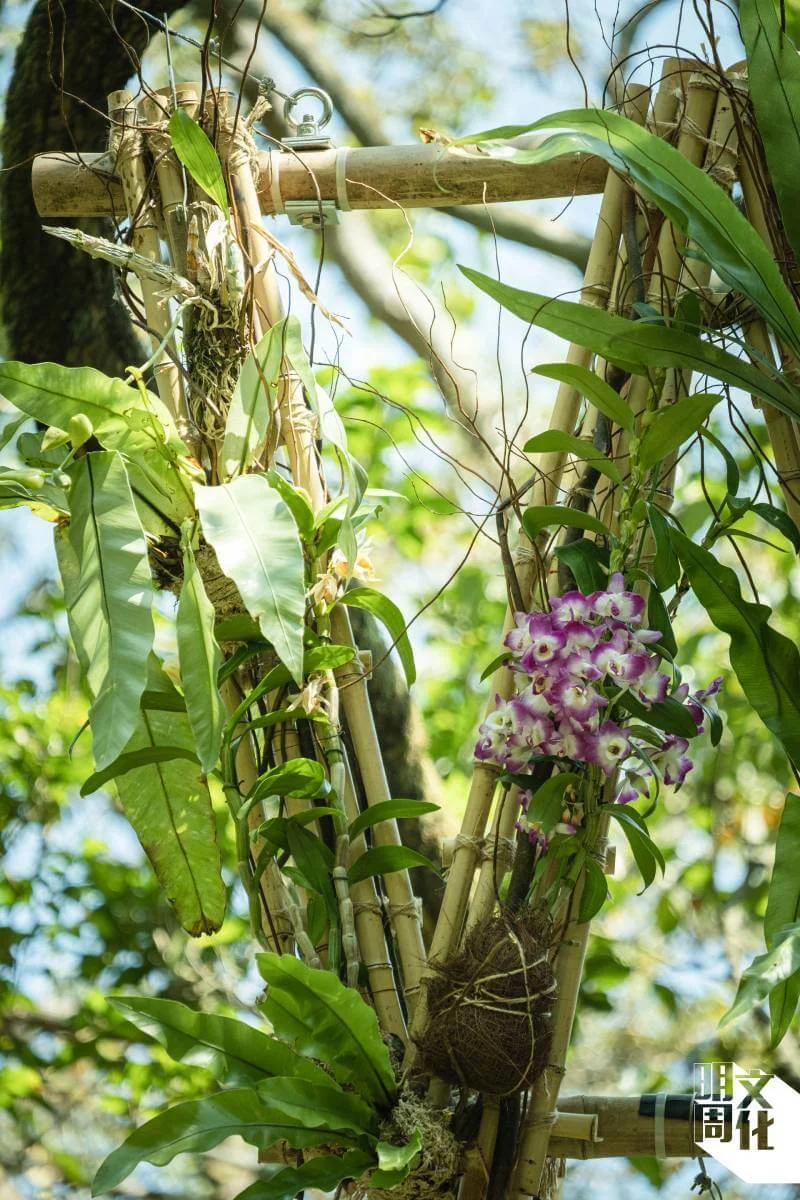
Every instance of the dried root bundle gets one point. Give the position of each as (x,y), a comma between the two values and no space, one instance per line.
(490,1007)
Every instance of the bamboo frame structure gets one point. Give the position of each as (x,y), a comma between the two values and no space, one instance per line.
(704,122)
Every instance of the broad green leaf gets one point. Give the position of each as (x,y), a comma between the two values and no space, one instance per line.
(534,520)
(297,502)
(385,610)
(145,756)
(673,426)
(256,541)
(588,563)
(323,1174)
(669,715)
(109,604)
(646,853)
(389,810)
(635,345)
(318,1105)
(161,492)
(54,395)
(200,659)
(169,806)
(302,777)
(30,486)
(313,860)
(595,890)
(395,1162)
(325,1020)
(382,860)
(687,195)
(236,1052)
(197,1125)
(195,151)
(774,86)
(768,971)
(554,441)
(766,663)
(327,657)
(589,384)
(666,567)
(252,402)
(547,803)
(783,908)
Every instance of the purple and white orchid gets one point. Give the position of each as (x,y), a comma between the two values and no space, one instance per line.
(574,663)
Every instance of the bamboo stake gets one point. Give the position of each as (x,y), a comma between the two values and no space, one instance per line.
(595,290)
(663,286)
(141,210)
(298,432)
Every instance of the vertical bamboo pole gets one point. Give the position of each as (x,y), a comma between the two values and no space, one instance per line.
(298,430)
(141,209)
(595,292)
(702,102)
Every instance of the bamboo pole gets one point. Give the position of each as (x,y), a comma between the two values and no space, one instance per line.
(595,290)
(619,1129)
(141,210)
(298,432)
(423,176)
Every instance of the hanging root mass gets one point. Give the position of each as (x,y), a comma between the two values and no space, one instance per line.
(490,1007)
(435,1177)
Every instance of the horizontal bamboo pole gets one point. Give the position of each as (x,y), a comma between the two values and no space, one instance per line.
(619,1131)
(86,185)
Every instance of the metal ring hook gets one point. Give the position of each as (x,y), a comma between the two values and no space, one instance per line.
(308,123)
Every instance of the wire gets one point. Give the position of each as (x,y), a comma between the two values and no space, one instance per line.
(266,82)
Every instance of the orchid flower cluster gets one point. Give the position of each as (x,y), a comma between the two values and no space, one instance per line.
(577,661)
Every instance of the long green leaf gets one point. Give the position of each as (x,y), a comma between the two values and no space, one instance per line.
(252,403)
(645,852)
(783,908)
(318,1105)
(382,860)
(258,547)
(766,973)
(673,426)
(687,195)
(169,806)
(774,85)
(385,610)
(136,758)
(54,395)
(323,1174)
(195,151)
(325,1020)
(110,606)
(766,663)
(534,520)
(389,810)
(554,441)
(202,1124)
(595,389)
(637,345)
(200,659)
(236,1052)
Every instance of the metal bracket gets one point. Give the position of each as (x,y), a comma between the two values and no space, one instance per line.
(307,131)
(312,214)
